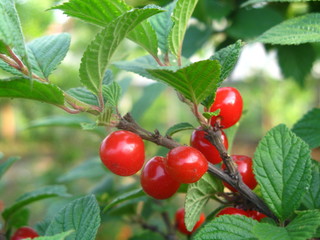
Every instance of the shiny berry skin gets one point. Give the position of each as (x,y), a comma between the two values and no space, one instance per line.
(155,181)
(256,215)
(122,152)
(230,103)
(232,211)
(244,164)
(199,142)
(24,232)
(186,164)
(179,219)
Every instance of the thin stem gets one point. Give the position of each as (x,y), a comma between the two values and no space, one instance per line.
(158,60)
(16,59)
(69,110)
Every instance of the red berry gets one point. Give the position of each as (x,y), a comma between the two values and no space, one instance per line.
(199,142)
(256,215)
(155,180)
(122,152)
(186,164)
(244,164)
(181,225)
(24,232)
(230,103)
(232,211)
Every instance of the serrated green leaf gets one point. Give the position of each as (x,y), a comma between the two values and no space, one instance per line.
(136,193)
(6,67)
(209,115)
(308,128)
(282,167)
(46,53)
(162,24)
(312,197)
(180,18)
(83,95)
(303,29)
(112,93)
(108,77)
(59,236)
(7,164)
(225,227)
(30,197)
(97,55)
(198,195)
(195,82)
(178,128)
(265,231)
(250,2)
(34,90)
(89,169)
(102,12)
(81,215)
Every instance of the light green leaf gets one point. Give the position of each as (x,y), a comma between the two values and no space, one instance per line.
(178,128)
(308,128)
(297,30)
(81,215)
(46,53)
(102,12)
(83,95)
(30,197)
(7,164)
(312,197)
(198,195)
(112,93)
(59,236)
(265,231)
(6,67)
(209,115)
(97,55)
(282,167)
(180,17)
(225,227)
(108,77)
(195,82)
(136,193)
(34,90)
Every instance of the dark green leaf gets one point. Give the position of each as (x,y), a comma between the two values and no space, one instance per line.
(265,231)
(178,128)
(59,236)
(198,195)
(25,88)
(60,121)
(225,227)
(195,82)
(147,235)
(308,128)
(312,196)
(46,53)
(30,197)
(20,218)
(250,2)
(7,164)
(81,215)
(112,93)
(282,167)
(302,29)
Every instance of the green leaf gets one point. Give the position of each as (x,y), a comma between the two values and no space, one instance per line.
(312,197)
(46,53)
(178,128)
(102,12)
(162,24)
(225,227)
(149,95)
(10,29)
(25,88)
(81,215)
(30,197)
(6,67)
(180,17)
(19,218)
(308,128)
(59,236)
(7,164)
(98,54)
(136,193)
(209,115)
(250,2)
(265,231)
(282,167)
(81,171)
(195,82)
(108,77)
(296,61)
(112,93)
(302,29)
(83,98)
(60,121)
(147,235)
(198,195)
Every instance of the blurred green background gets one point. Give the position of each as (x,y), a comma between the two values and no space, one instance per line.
(47,153)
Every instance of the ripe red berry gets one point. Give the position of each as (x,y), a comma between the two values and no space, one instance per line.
(199,142)
(24,232)
(244,164)
(186,164)
(155,180)
(122,152)
(232,211)
(179,219)
(256,215)
(230,103)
